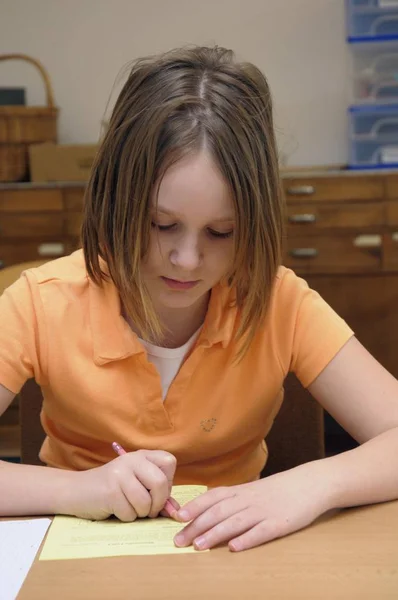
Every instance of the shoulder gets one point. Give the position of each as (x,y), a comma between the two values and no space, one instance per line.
(68,269)
(64,279)
(66,276)
(289,290)
(287,279)
(295,309)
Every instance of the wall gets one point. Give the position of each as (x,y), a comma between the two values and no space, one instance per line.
(299,44)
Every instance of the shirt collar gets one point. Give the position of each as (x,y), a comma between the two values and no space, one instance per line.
(221,316)
(114,340)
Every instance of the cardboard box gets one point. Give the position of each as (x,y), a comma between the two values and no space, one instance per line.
(54,162)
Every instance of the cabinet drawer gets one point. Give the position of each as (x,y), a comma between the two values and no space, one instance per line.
(12,254)
(30,200)
(332,254)
(392,187)
(31,225)
(306,217)
(392,213)
(73,224)
(333,189)
(73,198)
(390,258)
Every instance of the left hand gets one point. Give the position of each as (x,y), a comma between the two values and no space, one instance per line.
(251,514)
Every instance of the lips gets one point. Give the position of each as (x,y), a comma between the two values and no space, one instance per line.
(179,285)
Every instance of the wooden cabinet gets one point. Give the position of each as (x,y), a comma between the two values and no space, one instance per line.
(339,225)
(35,221)
(342,237)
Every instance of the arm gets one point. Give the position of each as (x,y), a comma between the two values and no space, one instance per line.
(361,395)
(16,480)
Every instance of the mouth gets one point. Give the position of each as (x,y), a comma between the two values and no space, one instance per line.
(176,284)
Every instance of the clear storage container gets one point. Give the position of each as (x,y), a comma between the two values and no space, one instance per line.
(372,19)
(375,72)
(373,136)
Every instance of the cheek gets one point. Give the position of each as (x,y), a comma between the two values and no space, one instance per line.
(221,258)
(156,253)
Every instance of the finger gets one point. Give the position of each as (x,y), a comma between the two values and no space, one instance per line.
(167,514)
(123,509)
(263,532)
(155,482)
(213,516)
(191,510)
(172,505)
(237,524)
(136,494)
(165,461)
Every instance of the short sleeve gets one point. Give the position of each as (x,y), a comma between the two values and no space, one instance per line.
(21,345)
(310,333)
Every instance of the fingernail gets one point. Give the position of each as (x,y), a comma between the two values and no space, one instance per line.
(200,543)
(179,540)
(182,514)
(234,546)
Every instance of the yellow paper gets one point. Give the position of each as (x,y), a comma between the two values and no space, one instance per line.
(70,537)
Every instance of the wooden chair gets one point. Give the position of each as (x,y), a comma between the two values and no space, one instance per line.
(296,437)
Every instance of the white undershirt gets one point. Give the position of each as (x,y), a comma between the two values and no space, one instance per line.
(168,360)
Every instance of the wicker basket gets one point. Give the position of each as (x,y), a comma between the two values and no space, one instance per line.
(24,125)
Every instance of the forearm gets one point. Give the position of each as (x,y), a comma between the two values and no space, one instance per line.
(366,475)
(30,490)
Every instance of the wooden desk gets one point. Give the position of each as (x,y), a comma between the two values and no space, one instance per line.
(349,555)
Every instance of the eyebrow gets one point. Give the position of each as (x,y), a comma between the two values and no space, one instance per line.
(226,219)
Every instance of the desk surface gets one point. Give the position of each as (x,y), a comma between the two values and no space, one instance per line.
(349,555)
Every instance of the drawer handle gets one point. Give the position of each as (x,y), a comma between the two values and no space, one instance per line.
(304,253)
(301,190)
(375,130)
(367,241)
(51,249)
(304,218)
(375,28)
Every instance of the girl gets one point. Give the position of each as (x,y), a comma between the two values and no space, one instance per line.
(173,329)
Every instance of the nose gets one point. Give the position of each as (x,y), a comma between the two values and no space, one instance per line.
(186,254)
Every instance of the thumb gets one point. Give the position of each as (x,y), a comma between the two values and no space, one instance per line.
(166,462)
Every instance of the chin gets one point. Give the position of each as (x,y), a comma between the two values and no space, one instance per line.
(179,300)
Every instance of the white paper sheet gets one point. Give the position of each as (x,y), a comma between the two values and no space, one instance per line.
(19,543)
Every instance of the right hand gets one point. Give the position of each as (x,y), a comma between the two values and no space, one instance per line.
(136,484)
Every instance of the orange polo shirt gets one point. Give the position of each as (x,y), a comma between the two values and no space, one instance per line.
(98,386)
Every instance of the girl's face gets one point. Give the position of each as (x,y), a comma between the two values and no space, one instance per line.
(191,247)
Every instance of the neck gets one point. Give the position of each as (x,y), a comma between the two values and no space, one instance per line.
(178,324)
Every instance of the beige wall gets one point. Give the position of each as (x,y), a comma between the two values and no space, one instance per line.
(299,44)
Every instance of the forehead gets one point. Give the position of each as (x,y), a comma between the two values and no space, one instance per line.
(194,186)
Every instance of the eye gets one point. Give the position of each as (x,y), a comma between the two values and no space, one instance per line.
(163,227)
(220,234)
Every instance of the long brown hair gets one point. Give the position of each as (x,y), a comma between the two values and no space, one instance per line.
(173,105)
